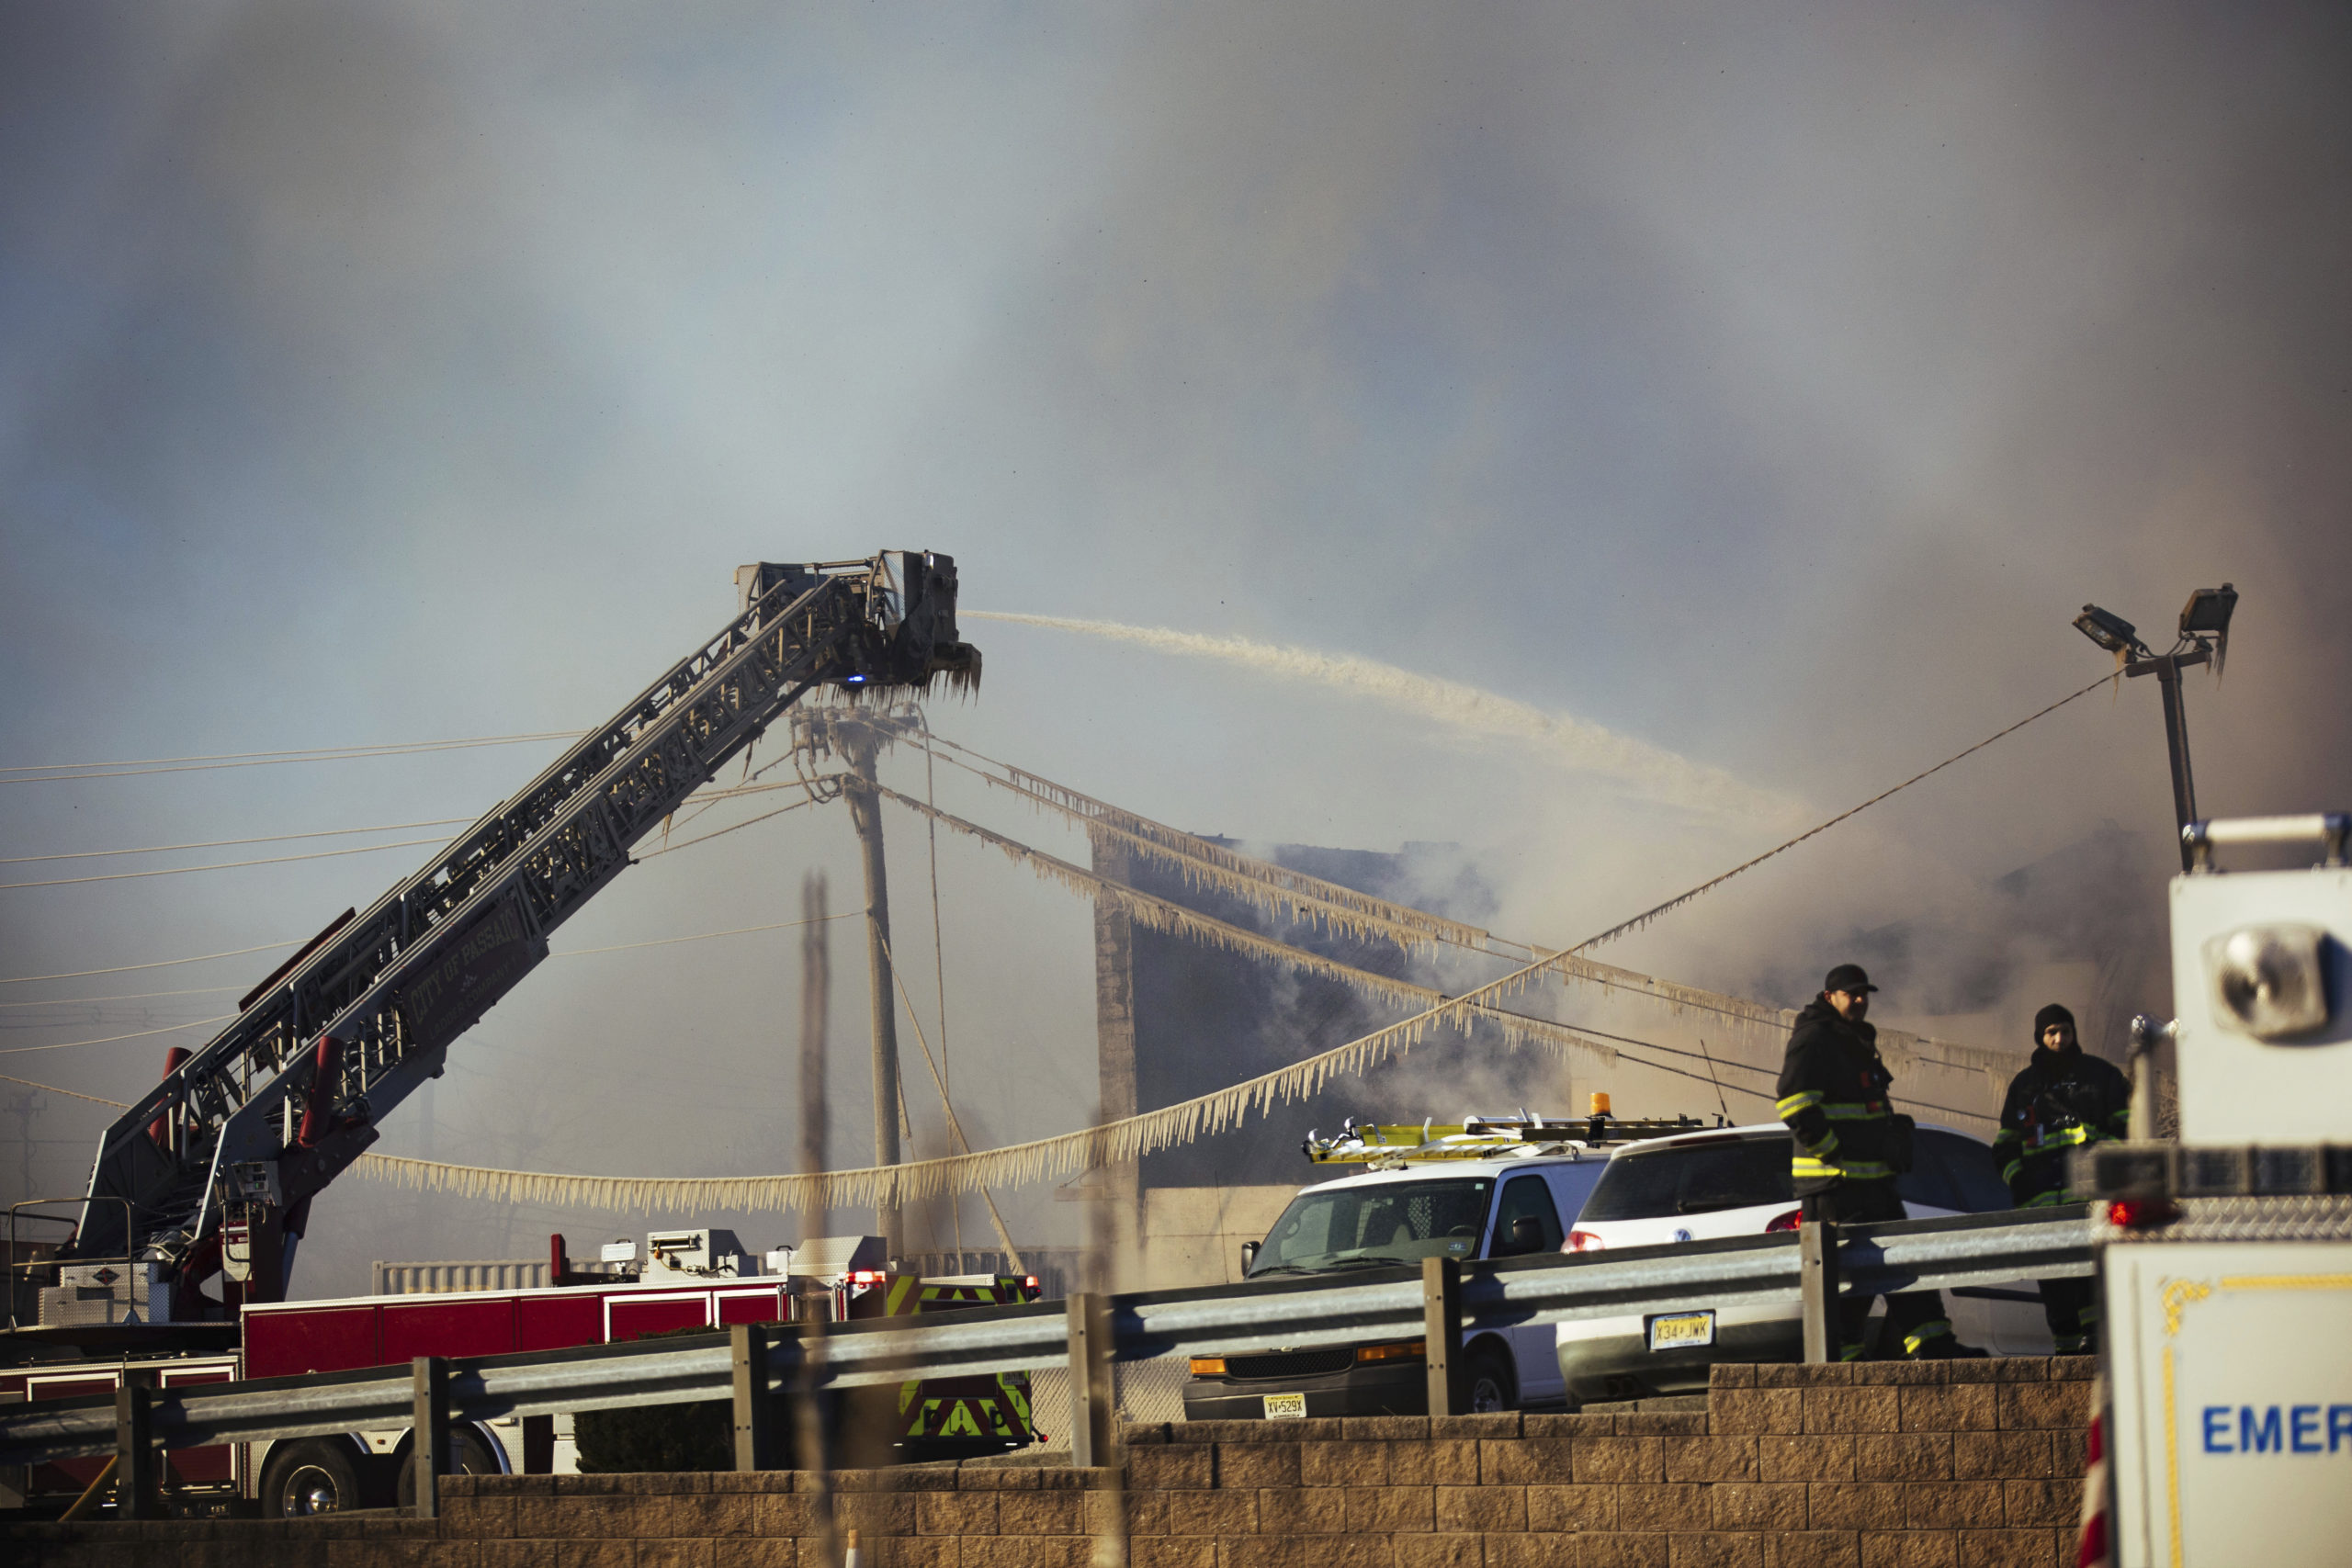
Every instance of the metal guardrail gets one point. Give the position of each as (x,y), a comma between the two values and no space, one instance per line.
(1969,1250)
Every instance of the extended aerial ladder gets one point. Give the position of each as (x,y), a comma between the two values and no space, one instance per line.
(280,1102)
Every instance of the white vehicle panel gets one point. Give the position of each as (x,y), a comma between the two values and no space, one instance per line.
(2233,1401)
(2007,1320)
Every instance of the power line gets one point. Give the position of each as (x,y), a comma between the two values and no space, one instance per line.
(1746,1068)
(158,963)
(121,996)
(705,936)
(228,843)
(300,751)
(1711,882)
(69,1094)
(141,1034)
(275,759)
(221,866)
(572,952)
(722,832)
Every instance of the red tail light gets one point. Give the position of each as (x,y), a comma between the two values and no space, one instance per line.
(1584,1241)
(1787,1222)
(2133,1214)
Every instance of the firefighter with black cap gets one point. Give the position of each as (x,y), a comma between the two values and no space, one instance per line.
(2062,1101)
(1851,1145)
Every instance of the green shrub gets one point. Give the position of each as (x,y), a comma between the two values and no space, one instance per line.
(697,1435)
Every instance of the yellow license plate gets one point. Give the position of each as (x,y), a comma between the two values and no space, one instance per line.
(1286,1407)
(1682,1330)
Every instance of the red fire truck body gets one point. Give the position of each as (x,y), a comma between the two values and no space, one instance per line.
(300,1338)
(295,1338)
(201,1470)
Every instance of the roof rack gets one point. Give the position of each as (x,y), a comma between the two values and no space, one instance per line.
(1392,1145)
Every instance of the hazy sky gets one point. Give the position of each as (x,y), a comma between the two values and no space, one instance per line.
(1769,386)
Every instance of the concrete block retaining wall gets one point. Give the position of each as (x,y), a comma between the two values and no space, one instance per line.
(1950,1464)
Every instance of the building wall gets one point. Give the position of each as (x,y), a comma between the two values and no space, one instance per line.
(1790,1467)
(1193,1235)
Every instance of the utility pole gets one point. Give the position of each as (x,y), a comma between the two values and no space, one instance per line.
(860,742)
(1120,1184)
(816,997)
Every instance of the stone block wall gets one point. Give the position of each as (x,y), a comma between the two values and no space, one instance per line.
(1949,1464)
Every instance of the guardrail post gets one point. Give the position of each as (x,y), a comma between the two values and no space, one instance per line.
(1441,1329)
(1818,1272)
(754,1407)
(429,1442)
(134,1447)
(1092,1402)
(538,1445)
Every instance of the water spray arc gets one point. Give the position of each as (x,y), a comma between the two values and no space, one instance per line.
(1587,747)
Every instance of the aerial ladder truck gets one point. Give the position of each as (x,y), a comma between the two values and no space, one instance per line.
(214,1170)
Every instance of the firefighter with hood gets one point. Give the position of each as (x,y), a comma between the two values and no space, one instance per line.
(1849,1146)
(2064,1100)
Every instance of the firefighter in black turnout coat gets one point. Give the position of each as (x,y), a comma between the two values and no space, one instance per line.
(1850,1147)
(2062,1101)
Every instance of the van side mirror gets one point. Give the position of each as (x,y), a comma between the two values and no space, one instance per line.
(1526,1236)
(1249,1257)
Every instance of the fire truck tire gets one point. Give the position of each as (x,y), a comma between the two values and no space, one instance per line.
(1488,1383)
(477,1460)
(317,1475)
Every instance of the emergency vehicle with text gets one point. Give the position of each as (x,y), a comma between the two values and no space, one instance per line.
(2225,1258)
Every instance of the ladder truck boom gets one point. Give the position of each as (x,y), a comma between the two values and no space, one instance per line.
(288,1095)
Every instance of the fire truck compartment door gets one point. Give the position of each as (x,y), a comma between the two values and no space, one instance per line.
(559,1322)
(2233,1401)
(628,1317)
(763,1305)
(296,1342)
(480,1325)
(214,1464)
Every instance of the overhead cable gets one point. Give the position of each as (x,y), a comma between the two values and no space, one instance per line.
(69,1093)
(705,936)
(569,953)
(1646,916)
(1279,889)
(267,758)
(158,963)
(722,832)
(121,996)
(1160,914)
(223,865)
(109,1039)
(231,843)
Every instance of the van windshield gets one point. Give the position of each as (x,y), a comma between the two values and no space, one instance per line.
(1397,1221)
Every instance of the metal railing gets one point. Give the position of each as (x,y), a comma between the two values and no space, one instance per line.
(26,1277)
(1393,1303)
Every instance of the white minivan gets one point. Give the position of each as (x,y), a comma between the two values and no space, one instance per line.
(1734,1182)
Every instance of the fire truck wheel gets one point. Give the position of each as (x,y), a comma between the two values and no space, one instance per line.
(1488,1382)
(314,1476)
(476,1456)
